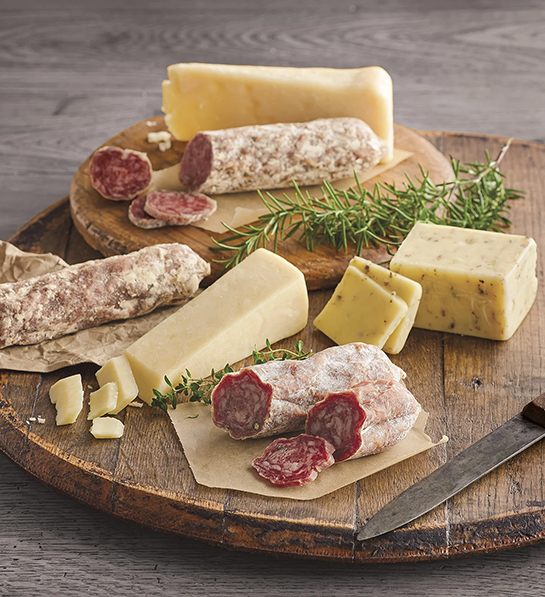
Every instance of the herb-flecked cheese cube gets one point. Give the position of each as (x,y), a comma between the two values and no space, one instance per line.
(360,310)
(474,282)
(67,396)
(118,371)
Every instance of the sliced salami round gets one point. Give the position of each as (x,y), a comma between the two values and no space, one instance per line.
(120,174)
(179,208)
(366,419)
(294,461)
(139,217)
(271,156)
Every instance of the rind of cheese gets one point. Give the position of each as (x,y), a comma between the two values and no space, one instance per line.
(102,401)
(360,310)
(107,428)
(474,282)
(67,395)
(262,298)
(404,288)
(199,97)
(119,371)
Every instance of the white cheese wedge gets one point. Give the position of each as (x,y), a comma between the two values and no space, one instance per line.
(404,288)
(264,297)
(107,428)
(118,370)
(67,395)
(103,401)
(200,97)
(360,310)
(474,282)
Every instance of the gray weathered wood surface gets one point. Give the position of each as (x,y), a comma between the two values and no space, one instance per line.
(74,73)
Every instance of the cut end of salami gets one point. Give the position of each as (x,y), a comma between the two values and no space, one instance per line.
(241,403)
(294,461)
(178,208)
(196,163)
(139,217)
(120,174)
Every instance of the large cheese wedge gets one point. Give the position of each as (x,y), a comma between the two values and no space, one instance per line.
(200,97)
(474,282)
(264,297)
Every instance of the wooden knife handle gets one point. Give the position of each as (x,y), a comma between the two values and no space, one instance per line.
(535,410)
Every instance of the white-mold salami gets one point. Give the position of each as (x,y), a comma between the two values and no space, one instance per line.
(179,208)
(95,292)
(272,156)
(120,174)
(366,419)
(139,217)
(275,397)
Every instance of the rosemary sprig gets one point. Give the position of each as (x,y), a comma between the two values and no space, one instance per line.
(475,198)
(198,390)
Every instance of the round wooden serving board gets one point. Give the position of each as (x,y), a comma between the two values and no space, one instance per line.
(469,386)
(105,226)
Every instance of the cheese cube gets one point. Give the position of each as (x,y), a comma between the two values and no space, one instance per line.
(263,297)
(360,310)
(474,282)
(200,97)
(118,370)
(404,288)
(67,395)
(107,428)
(102,401)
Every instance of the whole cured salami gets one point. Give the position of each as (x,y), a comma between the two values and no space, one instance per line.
(95,292)
(179,208)
(364,420)
(276,397)
(272,156)
(120,174)
(294,461)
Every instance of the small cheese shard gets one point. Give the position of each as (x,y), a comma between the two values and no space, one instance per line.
(263,297)
(67,395)
(474,282)
(360,310)
(107,428)
(404,288)
(118,370)
(200,97)
(103,401)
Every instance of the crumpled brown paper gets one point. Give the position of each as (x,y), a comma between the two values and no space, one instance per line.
(94,345)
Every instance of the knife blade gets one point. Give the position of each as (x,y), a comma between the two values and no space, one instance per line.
(508,440)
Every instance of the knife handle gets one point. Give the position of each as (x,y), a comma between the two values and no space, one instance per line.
(535,410)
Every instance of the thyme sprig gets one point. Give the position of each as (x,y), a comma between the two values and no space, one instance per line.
(199,390)
(475,198)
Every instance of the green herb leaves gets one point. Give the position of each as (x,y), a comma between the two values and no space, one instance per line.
(475,198)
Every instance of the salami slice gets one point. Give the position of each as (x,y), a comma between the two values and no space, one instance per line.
(294,461)
(275,397)
(367,419)
(120,174)
(272,156)
(179,208)
(95,292)
(139,217)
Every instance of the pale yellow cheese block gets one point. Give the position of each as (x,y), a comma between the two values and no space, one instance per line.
(474,282)
(119,371)
(264,297)
(404,288)
(107,428)
(360,310)
(199,97)
(102,401)
(67,396)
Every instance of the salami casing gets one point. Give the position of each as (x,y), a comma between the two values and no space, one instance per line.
(272,156)
(95,292)
(275,397)
(179,208)
(120,174)
(364,420)
(294,461)
(139,217)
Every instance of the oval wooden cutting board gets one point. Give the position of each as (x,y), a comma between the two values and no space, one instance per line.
(469,386)
(105,226)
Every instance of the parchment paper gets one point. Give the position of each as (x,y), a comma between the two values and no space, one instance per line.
(216,460)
